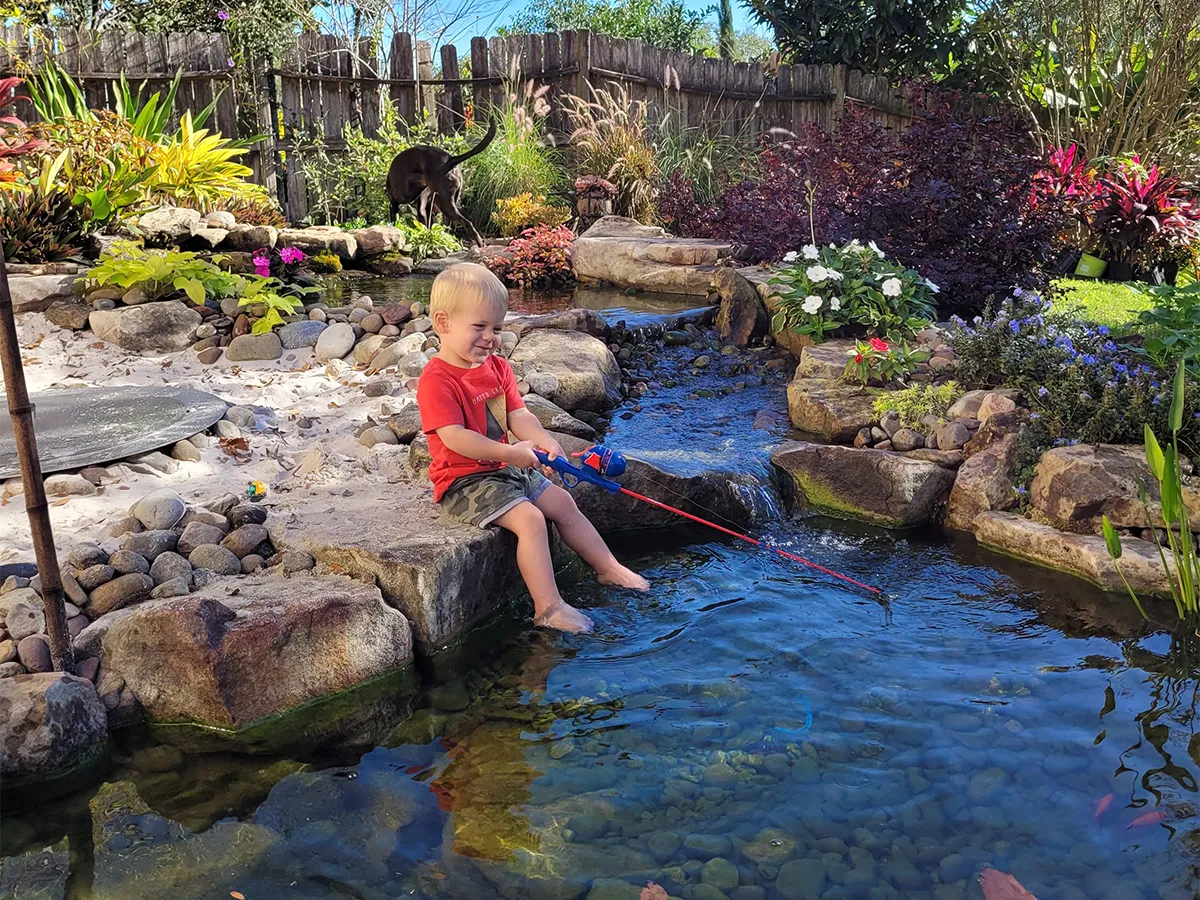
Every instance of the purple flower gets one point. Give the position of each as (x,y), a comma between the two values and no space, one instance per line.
(223,16)
(1121,367)
(1088,359)
(1156,401)
(262,271)
(1102,331)
(1109,347)
(1042,392)
(291,255)
(1035,415)
(1014,326)
(229,62)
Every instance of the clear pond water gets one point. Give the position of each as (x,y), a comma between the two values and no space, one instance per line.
(749,730)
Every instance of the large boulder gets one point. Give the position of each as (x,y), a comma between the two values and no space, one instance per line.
(50,724)
(742,315)
(231,659)
(984,482)
(249,238)
(443,576)
(377,239)
(586,320)
(872,485)
(554,418)
(1082,555)
(169,225)
(150,327)
(1074,487)
(826,360)
(831,408)
(734,500)
(587,372)
(35,293)
(319,238)
(622,252)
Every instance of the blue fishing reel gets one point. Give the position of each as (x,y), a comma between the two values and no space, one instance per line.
(603,460)
(597,465)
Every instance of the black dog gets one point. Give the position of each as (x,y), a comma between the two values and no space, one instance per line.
(428,177)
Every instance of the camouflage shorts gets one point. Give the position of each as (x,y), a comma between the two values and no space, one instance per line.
(483,498)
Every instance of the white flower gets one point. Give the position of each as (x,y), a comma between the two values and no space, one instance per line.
(790,256)
(811,304)
(831,274)
(878,252)
(933,287)
(816,273)
(833,246)
(835,304)
(892,288)
(810,251)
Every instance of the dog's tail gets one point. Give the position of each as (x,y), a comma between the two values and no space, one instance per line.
(474,151)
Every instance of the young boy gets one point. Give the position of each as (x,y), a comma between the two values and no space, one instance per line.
(469,404)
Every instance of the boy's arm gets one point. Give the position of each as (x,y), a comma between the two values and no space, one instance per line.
(477,446)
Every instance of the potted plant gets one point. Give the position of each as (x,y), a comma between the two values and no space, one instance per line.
(1070,180)
(1139,216)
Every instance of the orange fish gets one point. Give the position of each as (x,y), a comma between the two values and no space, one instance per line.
(1102,805)
(1150,818)
(998,885)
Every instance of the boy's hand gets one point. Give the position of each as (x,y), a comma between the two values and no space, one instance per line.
(522,456)
(550,447)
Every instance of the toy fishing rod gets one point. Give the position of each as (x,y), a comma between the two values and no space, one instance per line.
(597,462)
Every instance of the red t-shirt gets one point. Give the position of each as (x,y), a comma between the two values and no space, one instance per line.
(448,395)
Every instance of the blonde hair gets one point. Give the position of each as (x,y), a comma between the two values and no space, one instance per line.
(467,283)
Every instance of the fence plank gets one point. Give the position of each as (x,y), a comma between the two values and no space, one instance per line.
(403,96)
(480,72)
(368,67)
(428,98)
(453,103)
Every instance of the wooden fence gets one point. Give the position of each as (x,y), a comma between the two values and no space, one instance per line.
(325,86)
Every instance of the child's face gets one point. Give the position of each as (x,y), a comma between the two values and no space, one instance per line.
(471,333)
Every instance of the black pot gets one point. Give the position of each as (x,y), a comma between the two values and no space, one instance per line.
(1119,271)
(1165,272)
(1066,262)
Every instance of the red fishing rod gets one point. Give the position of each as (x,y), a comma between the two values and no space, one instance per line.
(597,462)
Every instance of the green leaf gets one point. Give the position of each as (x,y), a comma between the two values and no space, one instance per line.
(1154,454)
(1112,541)
(1177,400)
(192,287)
(1172,497)
(267,322)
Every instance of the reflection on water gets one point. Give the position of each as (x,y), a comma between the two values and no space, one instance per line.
(747,727)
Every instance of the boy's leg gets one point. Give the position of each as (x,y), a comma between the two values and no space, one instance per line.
(533,559)
(559,507)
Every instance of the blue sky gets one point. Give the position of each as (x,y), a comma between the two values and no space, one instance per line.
(741,21)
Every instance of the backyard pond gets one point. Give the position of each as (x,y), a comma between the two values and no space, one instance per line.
(749,730)
(635,309)
(746,730)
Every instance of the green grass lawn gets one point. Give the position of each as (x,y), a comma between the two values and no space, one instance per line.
(1104,302)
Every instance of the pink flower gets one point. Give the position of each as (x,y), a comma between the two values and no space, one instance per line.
(260,261)
(262,271)
(291,255)
(223,16)
(878,345)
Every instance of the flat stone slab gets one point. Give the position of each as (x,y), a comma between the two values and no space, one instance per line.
(93,426)
(628,254)
(1081,555)
(831,408)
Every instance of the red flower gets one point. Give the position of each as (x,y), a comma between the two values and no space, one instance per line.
(858,357)
(879,345)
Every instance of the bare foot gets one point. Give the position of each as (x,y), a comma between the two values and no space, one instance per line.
(564,618)
(623,577)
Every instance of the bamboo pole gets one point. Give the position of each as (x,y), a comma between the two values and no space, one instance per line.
(21,412)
